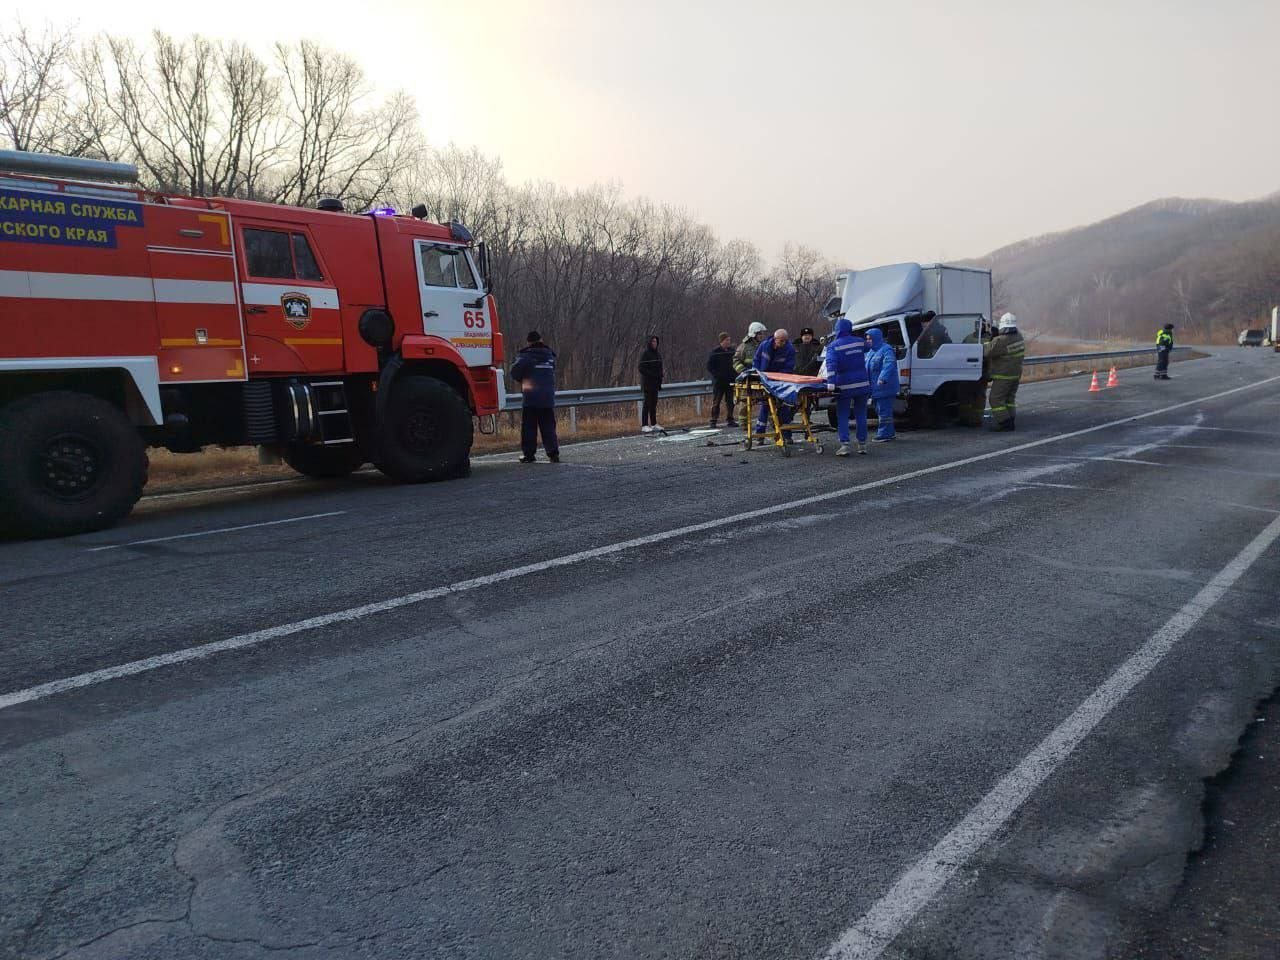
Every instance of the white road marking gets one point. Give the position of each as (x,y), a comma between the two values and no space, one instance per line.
(209,533)
(208,491)
(41,691)
(925,879)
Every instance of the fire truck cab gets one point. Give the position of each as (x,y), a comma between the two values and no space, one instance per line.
(131,319)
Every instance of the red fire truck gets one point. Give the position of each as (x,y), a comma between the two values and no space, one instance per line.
(131,319)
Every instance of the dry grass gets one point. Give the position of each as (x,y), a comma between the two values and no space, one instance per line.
(213,467)
(216,466)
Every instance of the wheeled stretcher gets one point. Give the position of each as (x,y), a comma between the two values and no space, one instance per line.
(784,395)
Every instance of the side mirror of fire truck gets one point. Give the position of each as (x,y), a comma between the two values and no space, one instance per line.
(482,260)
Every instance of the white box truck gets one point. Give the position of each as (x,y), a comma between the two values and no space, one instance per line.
(935,355)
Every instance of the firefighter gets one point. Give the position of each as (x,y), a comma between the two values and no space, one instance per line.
(1164,347)
(1004,358)
(972,395)
(535,370)
(745,354)
(808,353)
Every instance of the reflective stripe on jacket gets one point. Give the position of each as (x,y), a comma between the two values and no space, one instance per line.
(846,361)
(1164,338)
(1004,356)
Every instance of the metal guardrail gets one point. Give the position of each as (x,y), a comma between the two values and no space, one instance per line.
(699,388)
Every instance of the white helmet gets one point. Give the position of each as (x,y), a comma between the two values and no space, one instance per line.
(756,329)
(1008,322)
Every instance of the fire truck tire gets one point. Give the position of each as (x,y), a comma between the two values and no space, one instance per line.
(426,433)
(69,463)
(324,463)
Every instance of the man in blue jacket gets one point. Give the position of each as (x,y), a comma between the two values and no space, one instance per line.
(775,355)
(535,370)
(847,376)
(882,370)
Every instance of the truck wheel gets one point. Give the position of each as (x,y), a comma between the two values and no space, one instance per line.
(324,463)
(426,433)
(69,463)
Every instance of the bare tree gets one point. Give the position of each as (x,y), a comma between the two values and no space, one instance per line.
(338,144)
(196,116)
(35,102)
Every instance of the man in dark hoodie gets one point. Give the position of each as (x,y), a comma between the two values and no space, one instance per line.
(720,366)
(535,371)
(809,353)
(650,383)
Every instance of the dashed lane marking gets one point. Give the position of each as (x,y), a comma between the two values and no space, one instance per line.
(209,533)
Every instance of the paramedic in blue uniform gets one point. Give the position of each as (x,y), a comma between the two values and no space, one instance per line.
(882,371)
(775,355)
(847,376)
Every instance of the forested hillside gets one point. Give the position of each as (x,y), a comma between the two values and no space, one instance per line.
(1208,266)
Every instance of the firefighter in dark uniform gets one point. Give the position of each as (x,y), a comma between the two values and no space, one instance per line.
(1164,347)
(1003,357)
(972,396)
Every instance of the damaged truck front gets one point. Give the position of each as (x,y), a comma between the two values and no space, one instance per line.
(935,316)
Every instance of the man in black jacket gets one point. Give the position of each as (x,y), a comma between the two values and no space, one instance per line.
(809,353)
(650,383)
(720,366)
(535,371)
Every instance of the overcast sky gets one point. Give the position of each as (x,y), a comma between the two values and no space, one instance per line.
(875,131)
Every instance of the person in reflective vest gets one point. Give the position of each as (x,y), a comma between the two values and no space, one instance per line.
(1004,362)
(847,377)
(745,354)
(1164,347)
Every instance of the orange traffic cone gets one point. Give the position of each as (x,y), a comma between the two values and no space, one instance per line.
(1112,379)
(1093,387)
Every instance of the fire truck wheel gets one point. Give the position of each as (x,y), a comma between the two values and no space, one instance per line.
(324,463)
(426,434)
(69,463)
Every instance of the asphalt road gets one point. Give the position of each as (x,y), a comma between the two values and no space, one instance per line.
(957,698)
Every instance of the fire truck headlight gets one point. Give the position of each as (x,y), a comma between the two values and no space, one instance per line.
(175,369)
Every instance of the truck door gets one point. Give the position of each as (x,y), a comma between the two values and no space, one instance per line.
(949,350)
(453,305)
(290,301)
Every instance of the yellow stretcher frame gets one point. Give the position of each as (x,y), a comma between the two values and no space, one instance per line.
(749,391)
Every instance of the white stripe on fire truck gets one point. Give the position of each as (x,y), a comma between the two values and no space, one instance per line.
(88,286)
(195,291)
(74,286)
(269,294)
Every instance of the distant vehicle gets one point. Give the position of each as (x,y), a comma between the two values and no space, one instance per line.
(1252,338)
(933,358)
